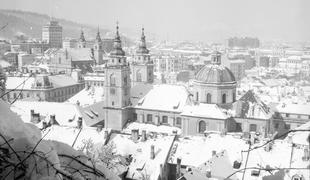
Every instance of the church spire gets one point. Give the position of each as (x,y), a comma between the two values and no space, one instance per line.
(98,38)
(82,38)
(117,46)
(142,45)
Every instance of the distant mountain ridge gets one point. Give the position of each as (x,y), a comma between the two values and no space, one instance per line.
(30,24)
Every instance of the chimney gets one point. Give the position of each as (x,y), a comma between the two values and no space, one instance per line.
(106,134)
(178,170)
(80,123)
(213,153)
(175,133)
(52,119)
(134,134)
(31,112)
(208,173)
(143,135)
(34,117)
(152,152)
(161,171)
(44,124)
(99,127)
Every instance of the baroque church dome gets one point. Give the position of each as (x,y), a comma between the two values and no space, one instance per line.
(215,73)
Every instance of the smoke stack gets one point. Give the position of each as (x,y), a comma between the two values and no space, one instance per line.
(80,123)
(178,170)
(143,135)
(134,134)
(99,128)
(152,152)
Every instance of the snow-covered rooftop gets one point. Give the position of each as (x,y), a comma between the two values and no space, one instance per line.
(66,114)
(142,164)
(195,150)
(165,98)
(76,137)
(204,110)
(89,96)
(303,109)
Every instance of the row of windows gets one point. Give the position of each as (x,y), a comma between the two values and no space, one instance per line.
(62,92)
(209,97)
(164,120)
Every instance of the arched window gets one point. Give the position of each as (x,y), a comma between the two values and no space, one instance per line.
(112,80)
(197,96)
(209,98)
(138,76)
(165,119)
(125,80)
(224,98)
(202,127)
(234,97)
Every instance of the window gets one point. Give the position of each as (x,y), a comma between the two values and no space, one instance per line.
(112,80)
(201,127)
(238,127)
(234,97)
(197,96)
(125,92)
(224,98)
(112,91)
(139,77)
(209,98)
(287,126)
(253,127)
(276,125)
(135,116)
(125,80)
(178,121)
(112,103)
(165,120)
(149,118)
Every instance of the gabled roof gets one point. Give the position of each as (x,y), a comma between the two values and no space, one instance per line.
(250,106)
(93,114)
(139,91)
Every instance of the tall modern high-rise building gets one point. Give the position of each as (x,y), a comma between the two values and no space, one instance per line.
(52,34)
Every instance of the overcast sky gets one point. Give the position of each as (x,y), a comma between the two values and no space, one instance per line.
(205,20)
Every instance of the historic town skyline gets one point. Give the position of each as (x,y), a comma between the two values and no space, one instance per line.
(184,20)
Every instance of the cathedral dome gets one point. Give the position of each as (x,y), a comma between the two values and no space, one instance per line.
(215,74)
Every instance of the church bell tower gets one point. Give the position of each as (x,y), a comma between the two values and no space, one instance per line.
(142,67)
(117,86)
